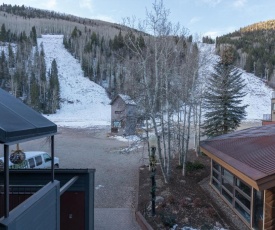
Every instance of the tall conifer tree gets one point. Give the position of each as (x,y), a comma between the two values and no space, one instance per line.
(223,98)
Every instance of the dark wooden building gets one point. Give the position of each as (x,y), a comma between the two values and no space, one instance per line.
(123,115)
(270,118)
(243,173)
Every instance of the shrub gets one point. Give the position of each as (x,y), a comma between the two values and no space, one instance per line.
(192,166)
(171,199)
(168,219)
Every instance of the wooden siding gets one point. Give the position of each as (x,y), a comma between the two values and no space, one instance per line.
(273,109)
(268,122)
(124,113)
(269,219)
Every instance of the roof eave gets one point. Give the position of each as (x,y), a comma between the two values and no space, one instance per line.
(253,177)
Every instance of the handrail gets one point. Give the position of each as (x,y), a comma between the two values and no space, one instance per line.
(65,187)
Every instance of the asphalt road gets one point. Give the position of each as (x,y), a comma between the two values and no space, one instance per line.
(116,176)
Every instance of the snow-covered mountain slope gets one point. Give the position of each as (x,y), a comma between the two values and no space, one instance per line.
(258,96)
(84,103)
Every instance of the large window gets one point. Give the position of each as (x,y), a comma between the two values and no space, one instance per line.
(258,213)
(233,190)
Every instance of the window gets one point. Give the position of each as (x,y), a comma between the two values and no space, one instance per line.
(244,200)
(31,163)
(38,160)
(216,166)
(258,207)
(234,191)
(216,174)
(243,187)
(227,185)
(117,124)
(46,157)
(216,183)
(242,211)
(227,195)
(228,176)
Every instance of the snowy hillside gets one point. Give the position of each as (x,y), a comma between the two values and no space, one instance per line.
(84,103)
(258,96)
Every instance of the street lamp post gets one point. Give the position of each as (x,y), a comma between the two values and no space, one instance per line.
(153,147)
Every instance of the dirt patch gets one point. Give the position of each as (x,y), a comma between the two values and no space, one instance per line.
(183,201)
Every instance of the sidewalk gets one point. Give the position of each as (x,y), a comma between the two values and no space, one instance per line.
(115,219)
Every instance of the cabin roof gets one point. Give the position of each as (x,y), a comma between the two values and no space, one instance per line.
(127,99)
(250,153)
(18,122)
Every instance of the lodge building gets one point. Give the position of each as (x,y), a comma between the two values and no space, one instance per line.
(243,173)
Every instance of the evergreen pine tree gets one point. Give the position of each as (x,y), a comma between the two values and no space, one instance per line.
(3,33)
(54,89)
(33,36)
(222,100)
(11,62)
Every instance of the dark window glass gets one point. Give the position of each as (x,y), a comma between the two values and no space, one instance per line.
(242,199)
(46,157)
(216,175)
(227,185)
(227,195)
(258,210)
(38,160)
(242,186)
(245,214)
(31,163)
(228,176)
(216,166)
(216,184)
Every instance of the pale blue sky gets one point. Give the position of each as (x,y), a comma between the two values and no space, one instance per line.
(202,17)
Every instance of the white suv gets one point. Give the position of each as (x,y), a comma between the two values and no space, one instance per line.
(35,159)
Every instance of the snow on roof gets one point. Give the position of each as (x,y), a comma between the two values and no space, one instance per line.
(127,99)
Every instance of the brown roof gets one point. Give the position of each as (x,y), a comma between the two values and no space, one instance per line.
(249,154)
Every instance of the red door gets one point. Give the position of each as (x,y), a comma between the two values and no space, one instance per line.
(72,211)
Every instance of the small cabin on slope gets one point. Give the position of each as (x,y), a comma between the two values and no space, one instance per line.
(243,173)
(123,115)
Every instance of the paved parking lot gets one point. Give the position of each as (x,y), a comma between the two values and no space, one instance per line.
(116,176)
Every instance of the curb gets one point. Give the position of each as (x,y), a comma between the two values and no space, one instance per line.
(142,221)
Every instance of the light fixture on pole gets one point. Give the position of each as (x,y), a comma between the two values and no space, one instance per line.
(153,146)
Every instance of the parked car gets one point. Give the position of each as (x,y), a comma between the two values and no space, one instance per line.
(35,159)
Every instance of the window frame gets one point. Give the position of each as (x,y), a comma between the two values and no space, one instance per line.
(235,201)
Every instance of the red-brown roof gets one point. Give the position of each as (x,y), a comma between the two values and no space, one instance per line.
(251,152)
